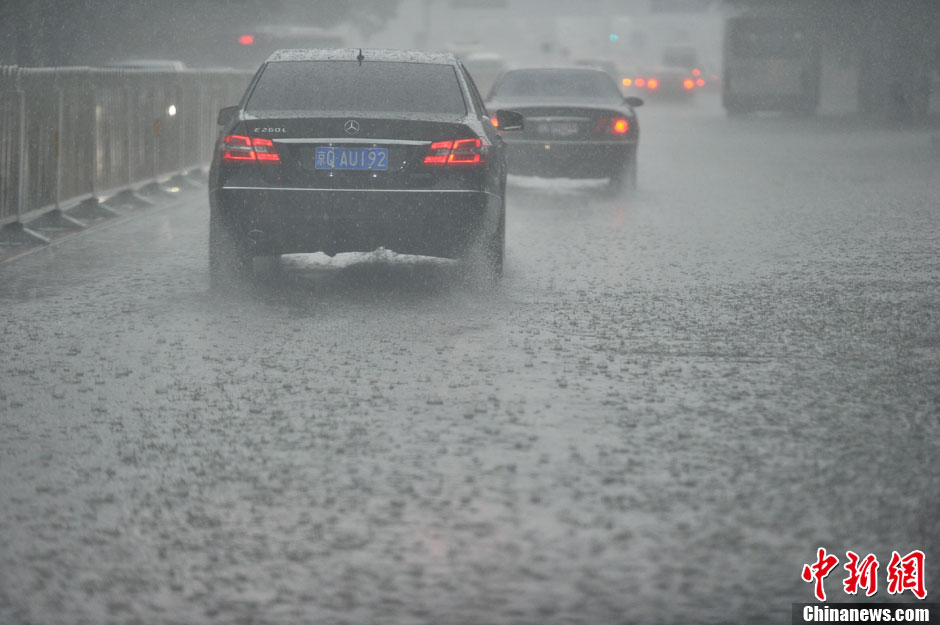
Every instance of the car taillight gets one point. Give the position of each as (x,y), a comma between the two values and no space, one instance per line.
(700,82)
(627,82)
(461,152)
(495,121)
(640,82)
(688,84)
(652,83)
(265,150)
(242,149)
(612,125)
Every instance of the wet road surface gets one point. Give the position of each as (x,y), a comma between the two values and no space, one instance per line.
(669,404)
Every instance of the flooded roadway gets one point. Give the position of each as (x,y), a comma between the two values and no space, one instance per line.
(669,404)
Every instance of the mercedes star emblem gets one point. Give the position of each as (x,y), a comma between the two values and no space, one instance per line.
(352,127)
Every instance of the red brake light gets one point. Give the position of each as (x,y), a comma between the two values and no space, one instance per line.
(466,152)
(242,149)
(696,72)
(238,149)
(652,83)
(700,82)
(455,153)
(246,40)
(495,121)
(617,126)
(688,84)
(265,150)
(640,82)
(438,153)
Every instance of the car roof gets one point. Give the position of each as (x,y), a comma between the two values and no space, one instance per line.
(559,68)
(666,69)
(369,54)
(592,60)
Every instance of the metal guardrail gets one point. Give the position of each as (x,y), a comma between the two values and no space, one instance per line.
(76,133)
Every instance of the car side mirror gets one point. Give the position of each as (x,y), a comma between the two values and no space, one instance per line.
(633,101)
(228,115)
(509,120)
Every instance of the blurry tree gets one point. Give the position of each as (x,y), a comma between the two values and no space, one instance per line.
(895,44)
(90,32)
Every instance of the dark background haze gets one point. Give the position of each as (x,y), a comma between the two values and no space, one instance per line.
(894,47)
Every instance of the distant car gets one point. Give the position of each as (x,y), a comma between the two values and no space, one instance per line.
(577,125)
(485,68)
(682,56)
(704,75)
(673,83)
(347,150)
(161,65)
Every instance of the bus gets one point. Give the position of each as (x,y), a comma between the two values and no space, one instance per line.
(772,62)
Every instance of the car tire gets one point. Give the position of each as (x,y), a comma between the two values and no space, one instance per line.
(229,258)
(631,178)
(482,260)
(624,181)
(495,251)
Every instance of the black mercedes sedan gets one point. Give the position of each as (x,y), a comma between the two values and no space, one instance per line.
(577,124)
(351,150)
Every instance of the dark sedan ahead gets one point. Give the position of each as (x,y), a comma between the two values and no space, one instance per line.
(351,150)
(665,83)
(577,124)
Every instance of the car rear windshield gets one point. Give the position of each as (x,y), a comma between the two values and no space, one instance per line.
(347,86)
(556,83)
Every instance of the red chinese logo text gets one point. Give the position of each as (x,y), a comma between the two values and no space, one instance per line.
(907,573)
(903,573)
(819,570)
(862,574)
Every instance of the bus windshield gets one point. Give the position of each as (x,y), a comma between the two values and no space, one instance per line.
(760,38)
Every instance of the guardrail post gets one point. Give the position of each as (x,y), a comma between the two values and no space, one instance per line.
(157,132)
(129,143)
(23,169)
(95,148)
(59,130)
(153,188)
(92,207)
(128,197)
(16,232)
(182,113)
(56,217)
(201,121)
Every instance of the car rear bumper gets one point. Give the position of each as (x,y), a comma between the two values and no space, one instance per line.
(426,222)
(666,90)
(567,159)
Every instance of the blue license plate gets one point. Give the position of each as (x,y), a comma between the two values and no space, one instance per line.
(558,129)
(362,159)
